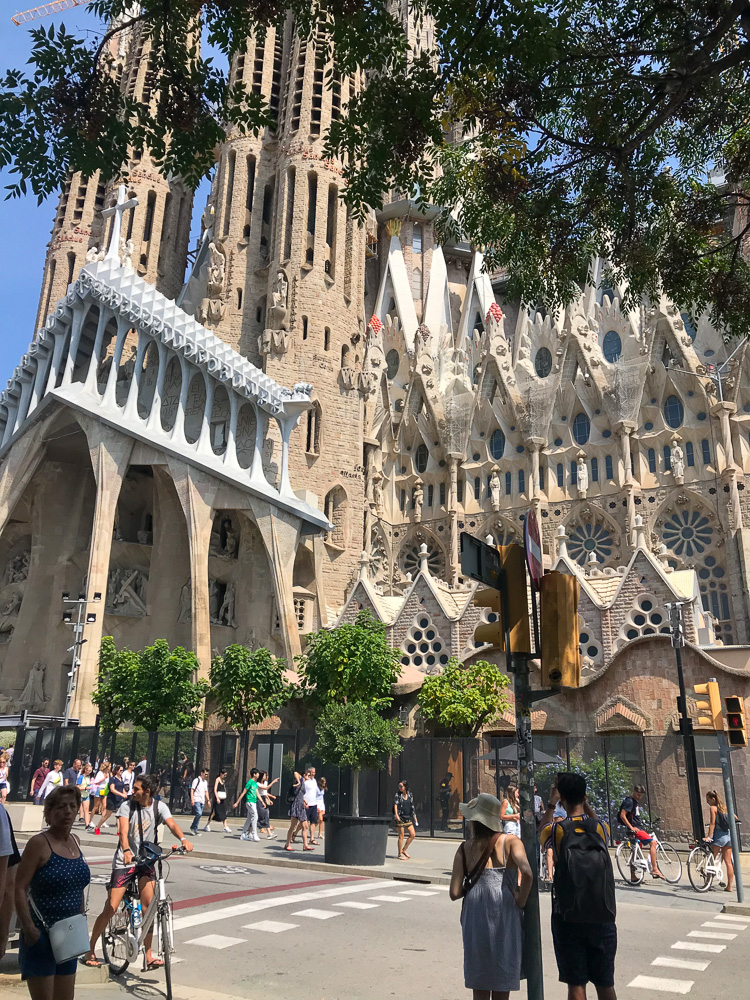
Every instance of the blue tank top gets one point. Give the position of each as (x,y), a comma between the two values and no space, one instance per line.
(57,887)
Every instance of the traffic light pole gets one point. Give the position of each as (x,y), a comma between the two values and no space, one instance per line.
(686,725)
(729,799)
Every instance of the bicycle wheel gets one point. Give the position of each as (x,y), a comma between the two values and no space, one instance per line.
(624,857)
(700,879)
(669,861)
(166,952)
(115,940)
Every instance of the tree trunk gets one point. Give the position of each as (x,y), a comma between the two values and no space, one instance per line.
(355,793)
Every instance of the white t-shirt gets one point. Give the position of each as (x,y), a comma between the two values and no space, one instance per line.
(53,780)
(311,792)
(200,790)
(320,799)
(142,767)
(128,778)
(130,811)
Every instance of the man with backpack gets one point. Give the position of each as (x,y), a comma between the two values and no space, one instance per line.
(583,901)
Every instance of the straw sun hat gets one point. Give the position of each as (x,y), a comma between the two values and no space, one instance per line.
(485,808)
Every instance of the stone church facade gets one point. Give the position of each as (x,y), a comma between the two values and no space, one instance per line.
(306,425)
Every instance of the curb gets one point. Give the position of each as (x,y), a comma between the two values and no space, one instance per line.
(739,909)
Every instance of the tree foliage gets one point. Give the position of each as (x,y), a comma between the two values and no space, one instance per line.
(548,132)
(616,774)
(351,663)
(249,686)
(462,699)
(153,689)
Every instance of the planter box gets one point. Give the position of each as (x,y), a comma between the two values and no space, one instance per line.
(356,840)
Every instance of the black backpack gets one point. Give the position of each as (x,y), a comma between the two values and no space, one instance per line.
(584,882)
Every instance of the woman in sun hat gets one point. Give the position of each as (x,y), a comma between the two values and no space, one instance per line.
(485,876)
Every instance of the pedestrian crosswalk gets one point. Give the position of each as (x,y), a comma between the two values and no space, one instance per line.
(722,927)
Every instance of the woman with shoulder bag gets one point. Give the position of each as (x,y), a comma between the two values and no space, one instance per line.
(50,883)
(219,811)
(406,817)
(485,877)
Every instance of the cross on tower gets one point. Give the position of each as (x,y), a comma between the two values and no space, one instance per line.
(113,250)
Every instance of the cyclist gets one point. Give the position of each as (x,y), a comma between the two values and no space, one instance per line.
(630,816)
(138,820)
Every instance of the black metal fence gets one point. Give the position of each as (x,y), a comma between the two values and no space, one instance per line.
(440,772)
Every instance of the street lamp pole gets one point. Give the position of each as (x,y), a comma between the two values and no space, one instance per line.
(686,723)
(83,617)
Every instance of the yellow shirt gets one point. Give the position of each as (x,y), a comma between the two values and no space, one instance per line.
(551,834)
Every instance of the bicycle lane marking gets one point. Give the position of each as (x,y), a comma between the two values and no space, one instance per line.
(225,913)
(221,897)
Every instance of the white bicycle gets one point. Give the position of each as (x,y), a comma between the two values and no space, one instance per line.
(703,868)
(633,864)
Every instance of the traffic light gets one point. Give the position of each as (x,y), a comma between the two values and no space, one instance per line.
(714,718)
(736,721)
(512,562)
(561,656)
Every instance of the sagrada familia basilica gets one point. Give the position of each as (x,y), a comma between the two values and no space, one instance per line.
(254,440)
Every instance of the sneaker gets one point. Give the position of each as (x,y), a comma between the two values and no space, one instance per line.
(256,837)
(227,829)
(206,828)
(104,826)
(244,836)
(97,831)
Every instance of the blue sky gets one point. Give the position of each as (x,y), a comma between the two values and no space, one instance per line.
(24,225)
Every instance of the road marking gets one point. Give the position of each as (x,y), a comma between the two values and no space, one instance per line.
(694,964)
(317,914)
(258,905)
(270,926)
(710,949)
(419,892)
(221,897)
(712,935)
(217,941)
(724,927)
(390,899)
(664,985)
(730,918)
(354,905)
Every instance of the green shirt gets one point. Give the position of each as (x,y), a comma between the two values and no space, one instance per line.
(252,792)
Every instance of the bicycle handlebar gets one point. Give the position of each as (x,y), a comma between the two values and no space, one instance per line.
(150,862)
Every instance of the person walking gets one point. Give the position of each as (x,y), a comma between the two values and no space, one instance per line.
(198,798)
(85,785)
(250,791)
(584,933)
(406,817)
(511,812)
(102,788)
(128,777)
(718,834)
(70,774)
(52,876)
(219,811)
(322,788)
(37,780)
(265,799)
(486,877)
(4,776)
(54,779)
(311,801)
(298,813)
(116,795)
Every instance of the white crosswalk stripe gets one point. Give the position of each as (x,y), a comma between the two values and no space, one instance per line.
(354,904)
(724,927)
(713,935)
(318,914)
(730,918)
(217,941)
(693,964)
(270,926)
(662,985)
(710,949)
(419,892)
(390,899)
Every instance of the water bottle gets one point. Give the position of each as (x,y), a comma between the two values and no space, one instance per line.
(137,914)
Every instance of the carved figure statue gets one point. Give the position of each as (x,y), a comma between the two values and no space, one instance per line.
(226,611)
(418,500)
(423,358)
(214,601)
(230,543)
(583,476)
(377,493)
(186,603)
(17,569)
(494,340)
(212,308)
(32,697)
(278,311)
(678,461)
(126,252)
(93,255)
(495,490)
(126,592)
(12,605)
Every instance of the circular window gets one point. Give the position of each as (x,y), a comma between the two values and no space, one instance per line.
(612,346)
(581,428)
(392,363)
(424,622)
(543,362)
(674,413)
(420,458)
(587,538)
(689,325)
(687,533)
(497,444)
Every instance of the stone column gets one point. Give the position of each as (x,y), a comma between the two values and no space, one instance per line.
(453,461)
(536,447)
(280,531)
(624,429)
(730,471)
(110,453)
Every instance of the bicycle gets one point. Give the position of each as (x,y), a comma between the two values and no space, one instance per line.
(124,938)
(703,867)
(633,864)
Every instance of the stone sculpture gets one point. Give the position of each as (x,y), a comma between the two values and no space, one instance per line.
(495,490)
(13,605)
(226,611)
(186,603)
(32,697)
(17,569)
(213,308)
(582,476)
(126,253)
(418,500)
(126,592)
(678,461)
(377,493)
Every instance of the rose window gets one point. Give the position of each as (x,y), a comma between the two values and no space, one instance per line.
(646,617)
(410,559)
(587,538)
(688,533)
(423,648)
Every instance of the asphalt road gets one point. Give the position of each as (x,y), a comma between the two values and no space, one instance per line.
(251,931)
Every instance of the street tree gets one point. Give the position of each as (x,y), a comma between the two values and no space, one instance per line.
(463,698)
(351,663)
(356,736)
(548,133)
(153,689)
(248,686)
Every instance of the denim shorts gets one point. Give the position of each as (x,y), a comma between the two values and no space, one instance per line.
(37,960)
(721,838)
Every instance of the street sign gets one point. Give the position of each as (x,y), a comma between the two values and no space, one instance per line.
(532,544)
(480,561)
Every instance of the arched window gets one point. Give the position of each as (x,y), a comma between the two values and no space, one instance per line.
(430,495)
(402,501)
(508,483)
(581,428)
(521,481)
(609,471)
(674,412)
(560,475)
(543,362)
(690,328)
(594,470)
(416,240)
(612,346)
(477,488)
(667,458)
(344,356)
(442,494)
(392,363)
(651,460)
(327,339)
(574,473)
(497,444)
(689,453)
(421,456)
(312,438)
(706,449)
(335,511)
(541,477)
